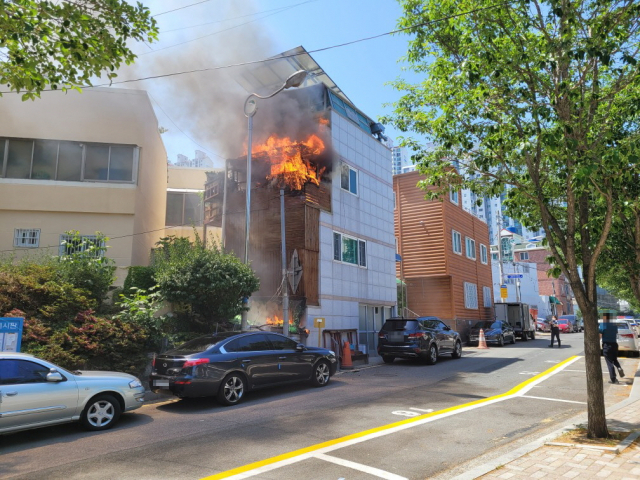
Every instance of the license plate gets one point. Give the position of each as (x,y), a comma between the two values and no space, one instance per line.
(396,336)
(161,383)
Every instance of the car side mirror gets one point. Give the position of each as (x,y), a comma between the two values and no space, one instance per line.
(300,347)
(54,376)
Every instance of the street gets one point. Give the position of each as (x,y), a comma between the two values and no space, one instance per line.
(193,439)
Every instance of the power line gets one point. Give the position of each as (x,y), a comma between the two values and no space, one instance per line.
(235,18)
(283,9)
(271,59)
(180,8)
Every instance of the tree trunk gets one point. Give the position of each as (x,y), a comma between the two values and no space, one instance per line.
(597,421)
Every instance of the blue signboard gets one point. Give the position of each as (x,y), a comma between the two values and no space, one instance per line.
(10,334)
(515,275)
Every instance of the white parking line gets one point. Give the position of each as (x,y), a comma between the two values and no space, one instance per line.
(421,410)
(553,399)
(358,466)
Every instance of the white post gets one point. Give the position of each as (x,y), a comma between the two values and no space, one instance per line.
(285,287)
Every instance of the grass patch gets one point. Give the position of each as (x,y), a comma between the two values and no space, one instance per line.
(579,435)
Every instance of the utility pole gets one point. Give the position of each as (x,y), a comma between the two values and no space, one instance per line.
(499,218)
(285,286)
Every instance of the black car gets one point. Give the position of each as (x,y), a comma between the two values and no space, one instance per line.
(227,365)
(494,332)
(423,337)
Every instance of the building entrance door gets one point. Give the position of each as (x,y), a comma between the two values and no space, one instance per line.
(372,318)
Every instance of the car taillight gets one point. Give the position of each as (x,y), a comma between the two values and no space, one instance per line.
(193,363)
(382,335)
(153,362)
(415,336)
(627,335)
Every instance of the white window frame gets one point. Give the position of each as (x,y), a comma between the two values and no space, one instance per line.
(454,194)
(64,237)
(486,294)
(470,241)
(357,186)
(524,256)
(470,296)
(484,259)
(26,237)
(361,260)
(455,233)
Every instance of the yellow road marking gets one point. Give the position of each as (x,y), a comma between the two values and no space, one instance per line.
(329,443)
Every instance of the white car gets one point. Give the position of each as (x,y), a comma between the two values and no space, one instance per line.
(35,393)
(628,340)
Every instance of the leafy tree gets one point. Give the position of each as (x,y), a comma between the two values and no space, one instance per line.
(205,281)
(531,96)
(83,264)
(62,44)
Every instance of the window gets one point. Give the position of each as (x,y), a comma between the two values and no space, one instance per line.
(456,239)
(250,343)
(524,256)
(454,196)
(70,244)
(349,179)
(494,256)
(470,246)
(483,254)
(470,295)
(16,372)
(486,295)
(349,250)
(395,201)
(67,161)
(183,208)
(26,237)
(281,343)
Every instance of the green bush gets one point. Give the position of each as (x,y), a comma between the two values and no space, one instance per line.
(203,281)
(138,277)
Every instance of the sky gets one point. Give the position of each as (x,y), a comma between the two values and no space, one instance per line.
(196,108)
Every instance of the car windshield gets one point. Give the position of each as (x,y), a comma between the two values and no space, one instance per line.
(496,324)
(197,345)
(400,324)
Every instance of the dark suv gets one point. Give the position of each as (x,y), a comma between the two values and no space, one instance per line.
(422,337)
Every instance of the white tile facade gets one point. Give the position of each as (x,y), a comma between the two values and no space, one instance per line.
(367,216)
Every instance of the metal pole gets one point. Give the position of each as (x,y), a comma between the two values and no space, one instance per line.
(499,218)
(224,204)
(244,321)
(285,287)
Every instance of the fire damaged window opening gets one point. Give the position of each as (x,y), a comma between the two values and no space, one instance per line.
(348,249)
(349,179)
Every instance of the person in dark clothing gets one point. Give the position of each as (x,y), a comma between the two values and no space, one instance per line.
(555,330)
(609,335)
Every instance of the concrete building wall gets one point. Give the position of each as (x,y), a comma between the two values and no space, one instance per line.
(345,288)
(134,211)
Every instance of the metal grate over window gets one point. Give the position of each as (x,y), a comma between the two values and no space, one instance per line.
(26,237)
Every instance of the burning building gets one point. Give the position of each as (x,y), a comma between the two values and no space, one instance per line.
(334,168)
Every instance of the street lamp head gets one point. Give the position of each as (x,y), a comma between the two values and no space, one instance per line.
(295,79)
(250,106)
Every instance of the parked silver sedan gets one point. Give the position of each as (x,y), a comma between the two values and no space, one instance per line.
(35,393)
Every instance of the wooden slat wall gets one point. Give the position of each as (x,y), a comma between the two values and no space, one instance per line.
(461,268)
(418,230)
(430,296)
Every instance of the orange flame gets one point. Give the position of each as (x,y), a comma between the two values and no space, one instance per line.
(290,165)
(277,321)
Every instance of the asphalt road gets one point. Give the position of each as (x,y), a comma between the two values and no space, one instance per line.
(404,420)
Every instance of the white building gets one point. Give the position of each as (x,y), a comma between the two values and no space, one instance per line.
(201,160)
(400,161)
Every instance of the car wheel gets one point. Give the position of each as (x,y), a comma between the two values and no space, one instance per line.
(232,389)
(533,335)
(457,350)
(388,358)
(432,355)
(524,336)
(102,412)
(501,341)
(321,374)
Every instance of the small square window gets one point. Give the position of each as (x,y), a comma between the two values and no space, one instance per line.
(454,197)
(524,255)
(456,240)
(26,237)
(470,295)
(483,254)
(349,179)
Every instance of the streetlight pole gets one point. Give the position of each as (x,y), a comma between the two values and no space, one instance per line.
(250,109)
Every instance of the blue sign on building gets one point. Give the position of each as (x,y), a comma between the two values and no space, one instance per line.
(10,334)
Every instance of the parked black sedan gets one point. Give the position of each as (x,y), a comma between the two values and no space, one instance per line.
(227,365)
(494,332)
(424,337)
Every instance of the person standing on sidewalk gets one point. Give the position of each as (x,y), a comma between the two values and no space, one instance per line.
(555,330)
(609,335)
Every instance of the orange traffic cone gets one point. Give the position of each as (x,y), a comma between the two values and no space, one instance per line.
(482,342)
(347,364)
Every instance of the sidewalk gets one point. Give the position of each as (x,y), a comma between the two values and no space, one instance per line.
(538,460)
